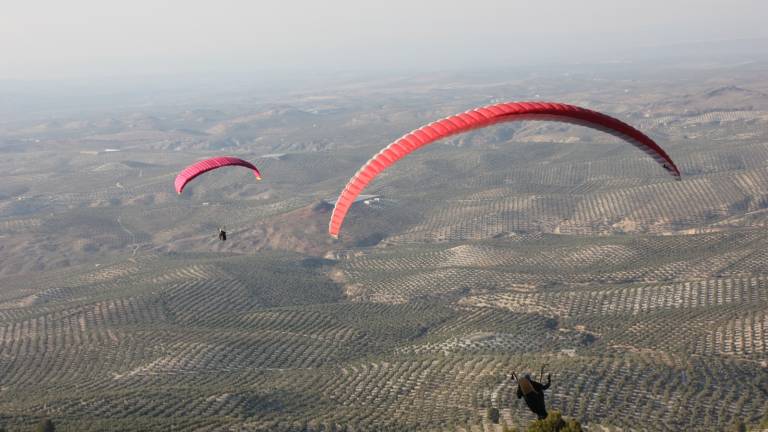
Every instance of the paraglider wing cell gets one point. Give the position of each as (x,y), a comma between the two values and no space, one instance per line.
(194,170)
(483,117)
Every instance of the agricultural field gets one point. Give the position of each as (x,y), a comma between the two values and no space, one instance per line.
(499,250)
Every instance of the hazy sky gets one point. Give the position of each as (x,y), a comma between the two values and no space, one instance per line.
(94,38)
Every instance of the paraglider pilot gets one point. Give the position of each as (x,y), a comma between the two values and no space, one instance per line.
(222,234)
(533,393)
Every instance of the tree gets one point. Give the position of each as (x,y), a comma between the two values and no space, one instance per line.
(508,429)
(738,426)
(571,425)
(46,425)
(555,423)
(493,415)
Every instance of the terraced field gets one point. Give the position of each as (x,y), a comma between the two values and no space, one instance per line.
(496,251)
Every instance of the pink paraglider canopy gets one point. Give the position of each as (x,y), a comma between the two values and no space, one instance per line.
(486,116)
(194,170)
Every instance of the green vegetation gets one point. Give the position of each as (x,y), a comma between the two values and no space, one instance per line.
(555,423)
(46,425)
(493,415)
(738,426)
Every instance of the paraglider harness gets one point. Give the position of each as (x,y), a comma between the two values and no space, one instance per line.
(222,234)
(533,392)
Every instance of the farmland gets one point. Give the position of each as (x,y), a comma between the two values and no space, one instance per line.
(503,249)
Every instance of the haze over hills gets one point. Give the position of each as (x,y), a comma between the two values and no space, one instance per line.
(498,250)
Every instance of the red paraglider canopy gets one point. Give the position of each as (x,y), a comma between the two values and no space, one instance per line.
(194,170)
(486,116)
